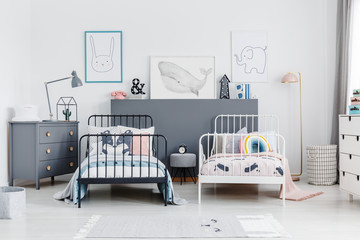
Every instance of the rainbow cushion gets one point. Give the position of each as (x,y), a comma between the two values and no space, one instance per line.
(254,143)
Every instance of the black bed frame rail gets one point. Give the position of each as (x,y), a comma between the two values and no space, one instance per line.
(129,120)
(159,151)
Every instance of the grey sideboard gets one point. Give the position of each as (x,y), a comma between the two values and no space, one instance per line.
(42,149)
(184,121)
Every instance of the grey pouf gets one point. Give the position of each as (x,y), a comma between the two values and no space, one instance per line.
(182,162)
(12,202)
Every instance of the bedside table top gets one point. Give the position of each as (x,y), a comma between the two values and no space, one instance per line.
(183,160)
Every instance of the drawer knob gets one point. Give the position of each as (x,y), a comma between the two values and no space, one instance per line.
(71,164)
(357,138)
(48,167)
(47,134)
(71,133)
(343,137)
(71,148)
(349,118)
(358,177)
(343,174)
(350,156)
(48,151)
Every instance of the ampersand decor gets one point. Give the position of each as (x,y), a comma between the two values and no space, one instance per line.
(137,87)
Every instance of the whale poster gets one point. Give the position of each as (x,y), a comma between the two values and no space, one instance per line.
(249,56)
(182,77)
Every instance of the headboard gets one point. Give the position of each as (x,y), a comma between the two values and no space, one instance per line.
(184,121)
(130,120)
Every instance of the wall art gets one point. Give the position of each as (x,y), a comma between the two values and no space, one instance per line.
(182,77)
(249,56)
(103,56)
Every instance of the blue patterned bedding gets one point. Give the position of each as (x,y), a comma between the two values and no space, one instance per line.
(96,169)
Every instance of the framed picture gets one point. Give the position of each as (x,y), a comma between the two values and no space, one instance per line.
(182,77)
(249,56)
(103,56)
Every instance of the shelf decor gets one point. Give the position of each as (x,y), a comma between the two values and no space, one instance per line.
(66,107)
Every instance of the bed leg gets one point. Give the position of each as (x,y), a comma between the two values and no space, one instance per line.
(166,191)
(283,194)
(199,193)
(79,197)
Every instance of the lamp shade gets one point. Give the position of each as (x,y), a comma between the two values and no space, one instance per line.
(290,78)
(75,82)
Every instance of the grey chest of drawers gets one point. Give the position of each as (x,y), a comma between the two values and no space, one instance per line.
(42,149)
(349,156)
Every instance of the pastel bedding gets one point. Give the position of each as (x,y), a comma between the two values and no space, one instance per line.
(257,164)
(96,169)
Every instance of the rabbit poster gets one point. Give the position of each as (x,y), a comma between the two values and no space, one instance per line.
(249,56)
(103,56)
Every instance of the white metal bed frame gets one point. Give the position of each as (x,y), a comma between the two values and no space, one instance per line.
(229,125)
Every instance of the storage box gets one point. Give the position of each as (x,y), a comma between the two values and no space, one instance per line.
(12,202)
(356,92)
(355,101)
(354,109)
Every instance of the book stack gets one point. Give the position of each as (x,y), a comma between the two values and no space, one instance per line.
(354,107)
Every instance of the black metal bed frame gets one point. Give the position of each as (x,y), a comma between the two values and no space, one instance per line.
(159,142)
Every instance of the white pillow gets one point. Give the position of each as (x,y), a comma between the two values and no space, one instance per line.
(223,142)
(271,138)
(231,143)
(112,144)
(100,130)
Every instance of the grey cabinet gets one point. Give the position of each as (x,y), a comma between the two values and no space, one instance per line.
(42,149)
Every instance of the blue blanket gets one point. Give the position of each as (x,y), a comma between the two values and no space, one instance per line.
(70,193)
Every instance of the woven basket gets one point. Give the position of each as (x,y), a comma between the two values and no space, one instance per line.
(322,164)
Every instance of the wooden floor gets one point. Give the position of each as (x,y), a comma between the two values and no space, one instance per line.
(329,216)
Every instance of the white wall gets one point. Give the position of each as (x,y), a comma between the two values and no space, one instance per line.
(301,34)
(14,68)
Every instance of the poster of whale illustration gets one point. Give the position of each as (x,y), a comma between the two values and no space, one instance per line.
(182,77)
(249,56)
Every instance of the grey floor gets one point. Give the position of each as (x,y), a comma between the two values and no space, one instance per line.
(329,216)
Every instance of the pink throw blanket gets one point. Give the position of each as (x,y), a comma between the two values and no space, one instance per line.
(292,192)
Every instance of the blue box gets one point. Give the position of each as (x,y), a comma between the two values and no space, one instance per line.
(354,109)
(356,92)
(243,91)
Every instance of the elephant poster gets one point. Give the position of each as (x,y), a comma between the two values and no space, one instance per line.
(249,56)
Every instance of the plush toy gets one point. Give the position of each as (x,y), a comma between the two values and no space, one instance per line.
(118,95)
